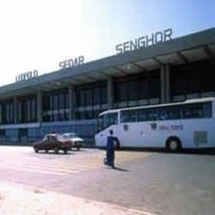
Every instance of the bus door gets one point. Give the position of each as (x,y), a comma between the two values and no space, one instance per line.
(106,123)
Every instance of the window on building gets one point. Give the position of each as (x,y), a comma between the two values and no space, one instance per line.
(103,95)
(89,97)
(33,110)
(23,132)
(154,88)
(61,100)
(46,118)
(2,132)
(181,76)
(45,103)
(56,102)
(82,97)
(142,90)
(133,88)
(96,96)
(66,97)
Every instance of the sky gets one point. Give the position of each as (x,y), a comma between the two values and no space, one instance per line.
(38,34)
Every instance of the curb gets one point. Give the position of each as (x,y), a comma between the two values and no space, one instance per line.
(73,205)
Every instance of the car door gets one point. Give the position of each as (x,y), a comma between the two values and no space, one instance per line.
(45,142)
(54,142)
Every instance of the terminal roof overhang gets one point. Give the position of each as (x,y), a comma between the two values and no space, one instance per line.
(190,48)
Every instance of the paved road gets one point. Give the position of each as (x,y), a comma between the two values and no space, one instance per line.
(160,183)
(75,162)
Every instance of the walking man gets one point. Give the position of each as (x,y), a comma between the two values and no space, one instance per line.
(110,154)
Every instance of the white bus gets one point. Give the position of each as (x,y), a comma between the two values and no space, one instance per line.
(188,124)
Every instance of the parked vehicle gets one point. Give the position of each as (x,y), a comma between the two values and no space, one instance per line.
(54,142)
(77,141)
(183,125)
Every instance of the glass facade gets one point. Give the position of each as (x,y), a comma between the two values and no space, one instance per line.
(192,78)
(27,109)
(130,90)
(7,112)
(90,100)
(55,105)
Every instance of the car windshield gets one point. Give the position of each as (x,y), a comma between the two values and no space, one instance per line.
(60,137)
(70,135)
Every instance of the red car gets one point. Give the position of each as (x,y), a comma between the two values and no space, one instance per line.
(54,142)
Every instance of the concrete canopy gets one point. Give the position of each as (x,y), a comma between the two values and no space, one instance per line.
(190,48)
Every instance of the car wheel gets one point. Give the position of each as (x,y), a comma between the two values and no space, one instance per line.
(56,150)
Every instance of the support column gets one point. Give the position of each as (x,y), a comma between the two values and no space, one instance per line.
(39,106)
(165,84)
(15,110)
(162,84)
(110,93)
(71,103)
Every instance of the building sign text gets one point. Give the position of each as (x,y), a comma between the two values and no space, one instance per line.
(72,62)
(26,76)
(145,41)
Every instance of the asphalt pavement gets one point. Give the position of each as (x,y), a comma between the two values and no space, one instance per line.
(154,182)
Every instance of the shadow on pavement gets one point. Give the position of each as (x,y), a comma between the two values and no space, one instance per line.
(204,151)
(53,153)
(120,169)
(117,169)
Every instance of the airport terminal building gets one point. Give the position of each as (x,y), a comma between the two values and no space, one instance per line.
(70,99)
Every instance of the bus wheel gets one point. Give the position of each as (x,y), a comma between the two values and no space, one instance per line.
(173,144)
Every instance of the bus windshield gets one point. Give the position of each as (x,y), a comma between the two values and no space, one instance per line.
(107,120)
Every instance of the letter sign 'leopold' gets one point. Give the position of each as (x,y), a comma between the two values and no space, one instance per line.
(145,41)
(26,76)
(72,62)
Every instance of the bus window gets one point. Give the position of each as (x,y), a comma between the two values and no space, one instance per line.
(107,120)
(153,114)
(207,109)
(197,111)
(142,115)
(170,113)
(128,115)
(147,114)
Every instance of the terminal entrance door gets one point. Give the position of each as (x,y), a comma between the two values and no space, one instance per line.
(2,135)
(23,135)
